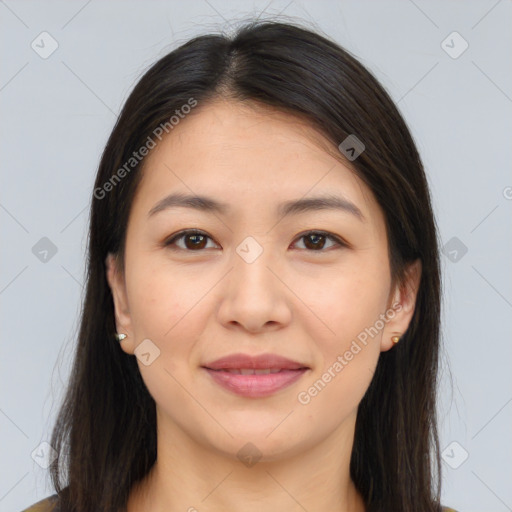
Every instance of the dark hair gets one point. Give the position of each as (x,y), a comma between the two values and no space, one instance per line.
(105,432)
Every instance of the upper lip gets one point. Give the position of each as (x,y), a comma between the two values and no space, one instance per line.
(259,362)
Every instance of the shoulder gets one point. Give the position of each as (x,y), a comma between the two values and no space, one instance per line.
(448,509)
(50,504)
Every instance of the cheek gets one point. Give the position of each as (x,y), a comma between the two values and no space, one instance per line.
(163,299)
(332,396)
(345,300)
(167,309)
(348,350)
(349,306)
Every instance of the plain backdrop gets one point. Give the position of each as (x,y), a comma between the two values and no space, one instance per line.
(67,68)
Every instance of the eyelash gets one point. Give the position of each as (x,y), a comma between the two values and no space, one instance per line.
(171,241)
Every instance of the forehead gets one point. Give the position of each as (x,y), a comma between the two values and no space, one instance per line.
(245,128)
(250,157)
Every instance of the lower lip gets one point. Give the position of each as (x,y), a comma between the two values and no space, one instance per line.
(256,386)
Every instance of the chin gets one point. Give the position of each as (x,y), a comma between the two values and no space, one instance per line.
(253,443)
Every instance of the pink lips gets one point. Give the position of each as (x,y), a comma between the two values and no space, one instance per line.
(255,376)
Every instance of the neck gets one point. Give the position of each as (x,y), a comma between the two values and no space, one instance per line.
(191,477)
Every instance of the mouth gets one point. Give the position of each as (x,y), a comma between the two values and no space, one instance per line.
(255,383)
(253,371)
(255,376)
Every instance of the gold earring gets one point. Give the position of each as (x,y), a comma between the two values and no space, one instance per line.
(120,337)
(395,339)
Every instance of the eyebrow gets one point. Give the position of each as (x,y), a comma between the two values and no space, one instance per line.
(208,204)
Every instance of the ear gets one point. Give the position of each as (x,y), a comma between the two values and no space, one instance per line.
(117,284)
(402,302)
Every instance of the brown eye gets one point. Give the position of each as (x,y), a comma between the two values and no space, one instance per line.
(196,241)
(193,240)
(315,241)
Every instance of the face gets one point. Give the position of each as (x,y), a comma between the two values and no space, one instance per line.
(309,285)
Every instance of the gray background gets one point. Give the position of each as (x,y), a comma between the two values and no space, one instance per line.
(56,115)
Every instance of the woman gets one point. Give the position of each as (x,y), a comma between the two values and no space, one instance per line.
(261,323)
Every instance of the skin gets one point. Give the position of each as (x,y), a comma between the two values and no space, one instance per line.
(307,304)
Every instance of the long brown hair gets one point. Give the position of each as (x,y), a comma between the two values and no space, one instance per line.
(105,432)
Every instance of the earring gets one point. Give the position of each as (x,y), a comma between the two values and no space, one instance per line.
(395,339)
(120,337)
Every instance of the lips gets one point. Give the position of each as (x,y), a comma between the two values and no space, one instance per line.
(255,376)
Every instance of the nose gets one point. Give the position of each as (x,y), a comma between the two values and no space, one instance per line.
(255,297)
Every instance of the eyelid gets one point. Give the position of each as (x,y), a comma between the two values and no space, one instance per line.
(340,242)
